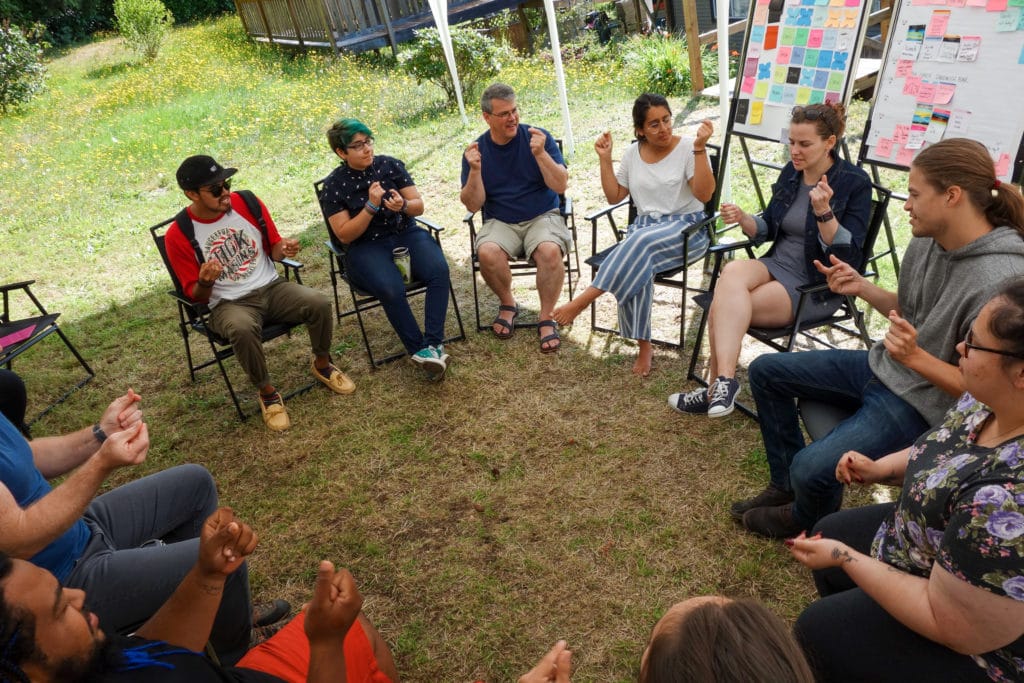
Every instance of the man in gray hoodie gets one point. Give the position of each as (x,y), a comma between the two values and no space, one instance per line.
(968,236)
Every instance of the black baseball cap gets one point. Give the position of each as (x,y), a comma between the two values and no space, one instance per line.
(200,170)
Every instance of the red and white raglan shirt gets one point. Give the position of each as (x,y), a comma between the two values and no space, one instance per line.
(235,240)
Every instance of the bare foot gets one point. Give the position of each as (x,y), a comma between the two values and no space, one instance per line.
(642,366)
(564,315)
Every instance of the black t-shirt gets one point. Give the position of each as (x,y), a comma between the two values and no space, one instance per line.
(346,189)
(159,662)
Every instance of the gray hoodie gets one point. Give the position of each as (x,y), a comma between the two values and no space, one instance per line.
(940,293)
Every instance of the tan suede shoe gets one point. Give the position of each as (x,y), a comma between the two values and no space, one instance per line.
(275,416)
(338,382)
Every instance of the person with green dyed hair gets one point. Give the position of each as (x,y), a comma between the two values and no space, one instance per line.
(371,202)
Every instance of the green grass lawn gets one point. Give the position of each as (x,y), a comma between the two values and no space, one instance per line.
(525,499)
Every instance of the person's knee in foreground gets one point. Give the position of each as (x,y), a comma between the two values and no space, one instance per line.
(49,636)
(938,594)
(370,201)
(708,638)
(968,236)
(222,255)
(819,208)
(669,179)
(130,546)
(514,174)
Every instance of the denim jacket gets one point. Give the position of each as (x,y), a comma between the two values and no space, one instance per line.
(851,203)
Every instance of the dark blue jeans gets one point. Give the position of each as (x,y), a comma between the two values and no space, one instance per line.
(371,266)
(882,424)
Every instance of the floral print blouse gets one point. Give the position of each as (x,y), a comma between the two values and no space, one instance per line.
(962,505)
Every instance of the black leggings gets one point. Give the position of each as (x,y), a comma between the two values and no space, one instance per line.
(847,636)
(13,399)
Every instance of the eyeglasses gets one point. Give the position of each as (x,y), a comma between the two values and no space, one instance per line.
(359,146)
(801,114)
(969,345)
(505,115)
(217,190)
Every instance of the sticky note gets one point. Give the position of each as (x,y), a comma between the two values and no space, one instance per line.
(783,55)
(802,36)
(817,97)
(756,113)
(771,37)
(916,139)
(883,149)
(757,34)
(780,74)
(926,93)
(1007,21)
(905,156)
(959,122)
(811,58)
(803,95)
(807,78)
(748,84)
(835,81)
(828,39)
(912,85)
(938,23)
(944,92)
(969,47)
(1003,165)
(788,36)
(825,59)
(937,127)
(820,78)
(760,15)
(832,97)
(775,94)
(1020,60)
(904,68)
(793,75)
(900,133)
(814,37)
(930,50)
(995,5)
(789,94)
(949,49)
(761,90)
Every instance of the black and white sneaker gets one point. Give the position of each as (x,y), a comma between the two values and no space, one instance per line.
(694,402)
(723,396)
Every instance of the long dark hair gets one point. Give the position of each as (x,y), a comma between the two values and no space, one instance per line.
(968,165)
(726,642)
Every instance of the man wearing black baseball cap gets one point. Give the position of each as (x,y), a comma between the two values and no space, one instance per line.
(222,249)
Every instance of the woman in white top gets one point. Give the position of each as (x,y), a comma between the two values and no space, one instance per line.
(669,179)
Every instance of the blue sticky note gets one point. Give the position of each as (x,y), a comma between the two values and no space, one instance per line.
(820,79)
(824,59)
(1021,59)
(789,94)
(775,94)
(828,40)
(839,61)
(820,17)
(797,56)
(807,77)
(757,35)
(764,72)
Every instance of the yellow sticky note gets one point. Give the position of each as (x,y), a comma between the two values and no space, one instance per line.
(756,111)
(761,90)
(803,95)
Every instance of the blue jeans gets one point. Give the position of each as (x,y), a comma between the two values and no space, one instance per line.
(371,266)
(145,538)
(882,424)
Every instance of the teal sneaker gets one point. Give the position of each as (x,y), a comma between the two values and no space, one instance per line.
(431,362)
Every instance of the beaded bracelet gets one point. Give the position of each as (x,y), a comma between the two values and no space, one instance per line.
(372,207)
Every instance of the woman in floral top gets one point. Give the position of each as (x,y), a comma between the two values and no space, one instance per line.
(931,587)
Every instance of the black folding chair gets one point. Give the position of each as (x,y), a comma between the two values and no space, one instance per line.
(18,335)
(803,325)
(194,317)
(363,301)
(675,278)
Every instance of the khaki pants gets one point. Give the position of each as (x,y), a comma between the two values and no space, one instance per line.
(283,301)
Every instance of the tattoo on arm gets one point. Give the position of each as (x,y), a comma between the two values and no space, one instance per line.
(843,556)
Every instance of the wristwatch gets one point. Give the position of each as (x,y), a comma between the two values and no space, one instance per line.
(825,217)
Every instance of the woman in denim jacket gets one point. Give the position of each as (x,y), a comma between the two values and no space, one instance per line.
(819,207)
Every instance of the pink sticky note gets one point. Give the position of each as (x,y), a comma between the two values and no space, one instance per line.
(901,133)
(884,148)
(926,93)
(912,85)
(944,93)
(904,156)
(1003,165)
(783,55)
(748,84)
(995,5)
(814,37)
(938,23)
(904,68)
(976,3)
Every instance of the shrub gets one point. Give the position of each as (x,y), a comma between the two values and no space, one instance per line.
(477,58)
(190,10)
(143,24)
(658,64)
(21,68)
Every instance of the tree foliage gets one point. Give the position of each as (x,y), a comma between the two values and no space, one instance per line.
(21,68)
(143,24)
(477,57)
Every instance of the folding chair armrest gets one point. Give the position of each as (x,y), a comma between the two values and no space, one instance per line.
(433,227)
(813,289)
(291,264)
(732,246)
(606,210)
(468,218)
(333,249)
(16,285)
(565,208)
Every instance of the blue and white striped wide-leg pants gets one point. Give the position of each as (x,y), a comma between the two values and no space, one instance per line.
(651,245)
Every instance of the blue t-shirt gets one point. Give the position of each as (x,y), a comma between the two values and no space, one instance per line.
(515,188)
(19,474)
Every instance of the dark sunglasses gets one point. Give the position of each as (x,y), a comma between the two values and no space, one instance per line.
(969,345)
(217,190)
(801,114)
